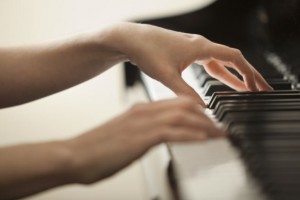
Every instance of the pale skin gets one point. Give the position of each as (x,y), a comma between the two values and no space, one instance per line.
(32,72)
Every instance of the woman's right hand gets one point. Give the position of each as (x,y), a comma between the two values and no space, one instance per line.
(112,146)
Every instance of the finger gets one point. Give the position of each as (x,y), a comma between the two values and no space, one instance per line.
(181,88)
(188,131)
(193,121)
(182,135)
(175,116)
(171,134)
(158,112)
(222,74)
(234,59)
(181,118)
(183,102)
(261,82)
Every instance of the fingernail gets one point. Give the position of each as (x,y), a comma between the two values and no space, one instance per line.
(270,88)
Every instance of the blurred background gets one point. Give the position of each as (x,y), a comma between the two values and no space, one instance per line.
(85,106)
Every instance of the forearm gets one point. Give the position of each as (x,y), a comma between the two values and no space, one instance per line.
(32,168)
(29,73)
(102,151)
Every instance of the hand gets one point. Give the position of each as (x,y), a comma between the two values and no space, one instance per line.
(164,54)
(112,146)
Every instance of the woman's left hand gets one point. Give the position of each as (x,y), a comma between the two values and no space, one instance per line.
(163,55)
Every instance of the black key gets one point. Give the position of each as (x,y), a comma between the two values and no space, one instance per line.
(261,130)
(272,153)
(256,116)
(219,96)
(212,86)
(259,134)
(262,107)
(280,84)
(220,104)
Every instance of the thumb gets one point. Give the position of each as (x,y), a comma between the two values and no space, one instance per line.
(181,88)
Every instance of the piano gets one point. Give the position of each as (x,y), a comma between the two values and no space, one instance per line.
(260,159)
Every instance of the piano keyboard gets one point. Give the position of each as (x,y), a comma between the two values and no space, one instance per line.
(263,127)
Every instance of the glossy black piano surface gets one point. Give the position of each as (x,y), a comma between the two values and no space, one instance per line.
(266,31)
(264,127)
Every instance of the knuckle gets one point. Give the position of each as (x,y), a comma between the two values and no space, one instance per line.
(198,38)
(178,116)
(237,53)
(237,56)
(200,41)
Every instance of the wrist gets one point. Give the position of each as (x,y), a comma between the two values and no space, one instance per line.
(114,40)
(64,162)
(123,38)
(82,157)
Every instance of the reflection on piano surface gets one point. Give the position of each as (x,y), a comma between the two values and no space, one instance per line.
(264,126)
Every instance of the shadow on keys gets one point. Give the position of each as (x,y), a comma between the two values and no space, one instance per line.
(261,158)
